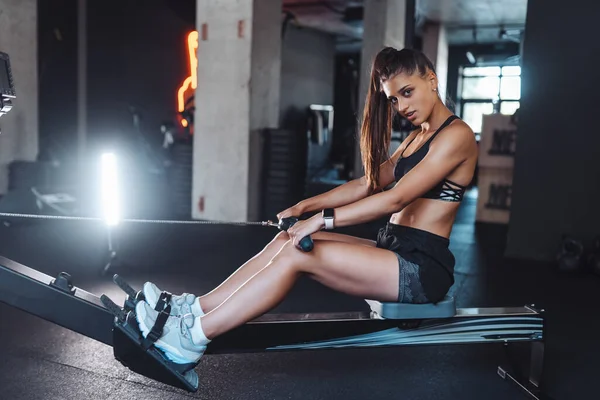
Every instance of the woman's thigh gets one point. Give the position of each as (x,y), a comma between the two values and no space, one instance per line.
(338,237)
(355,269)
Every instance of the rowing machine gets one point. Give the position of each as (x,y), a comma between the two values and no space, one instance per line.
(386,324)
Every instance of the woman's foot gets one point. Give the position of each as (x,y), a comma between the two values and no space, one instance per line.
(176,341)
(185,303)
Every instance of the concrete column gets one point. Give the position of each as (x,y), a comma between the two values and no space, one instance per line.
(384,25)
(18,38)
(435,46)
(265,89)
(239,53)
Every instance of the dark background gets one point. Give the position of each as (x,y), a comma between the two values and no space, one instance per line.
(556,184)
(136,58)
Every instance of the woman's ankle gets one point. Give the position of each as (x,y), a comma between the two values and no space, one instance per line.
(197,308)
(199,337)
(204,304)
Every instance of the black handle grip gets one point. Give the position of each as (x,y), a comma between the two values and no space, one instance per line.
(306,244)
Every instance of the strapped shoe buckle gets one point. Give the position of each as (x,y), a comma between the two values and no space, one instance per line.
(157,329)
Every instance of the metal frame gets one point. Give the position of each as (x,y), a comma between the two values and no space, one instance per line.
(10,90)
(58,301)
(7,94)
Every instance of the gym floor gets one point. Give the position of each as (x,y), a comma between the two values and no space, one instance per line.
(43,361)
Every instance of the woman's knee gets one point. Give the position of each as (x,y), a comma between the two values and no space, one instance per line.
(287,255)
(280,239)
(275,245)
(282,236)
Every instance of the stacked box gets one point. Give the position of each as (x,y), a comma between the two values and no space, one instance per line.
(496,165)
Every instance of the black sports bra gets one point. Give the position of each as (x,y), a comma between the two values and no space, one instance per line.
(446,190)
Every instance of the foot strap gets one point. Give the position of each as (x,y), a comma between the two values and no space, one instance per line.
(157,329)
(164,300)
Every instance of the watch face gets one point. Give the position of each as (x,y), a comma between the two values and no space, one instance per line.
(328,213)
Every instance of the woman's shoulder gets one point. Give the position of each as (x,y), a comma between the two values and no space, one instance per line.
(457,130)
(458,135)
(458,125)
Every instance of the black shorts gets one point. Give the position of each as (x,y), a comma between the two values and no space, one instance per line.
(425,261)
(410,289)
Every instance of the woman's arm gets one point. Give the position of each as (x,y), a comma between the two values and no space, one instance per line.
(356,189)
(450,149)
(349,192)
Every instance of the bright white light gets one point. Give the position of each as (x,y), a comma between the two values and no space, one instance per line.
(110,193)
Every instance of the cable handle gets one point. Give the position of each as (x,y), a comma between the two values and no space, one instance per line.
(306,244)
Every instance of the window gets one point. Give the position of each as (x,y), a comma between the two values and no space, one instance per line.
(489,89)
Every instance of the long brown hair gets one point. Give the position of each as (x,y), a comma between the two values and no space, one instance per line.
(376,128)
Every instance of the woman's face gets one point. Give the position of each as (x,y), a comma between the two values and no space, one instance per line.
(412,95)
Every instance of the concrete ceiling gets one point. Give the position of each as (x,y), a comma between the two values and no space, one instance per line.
(462,18)
(326,15)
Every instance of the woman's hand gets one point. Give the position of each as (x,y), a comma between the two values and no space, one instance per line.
(294,211)
(304,228)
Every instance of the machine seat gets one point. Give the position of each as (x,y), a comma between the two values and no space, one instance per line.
(443,309)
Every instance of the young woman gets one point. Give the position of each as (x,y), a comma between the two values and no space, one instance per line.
(409,262)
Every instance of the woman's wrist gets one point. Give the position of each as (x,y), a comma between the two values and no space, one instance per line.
(328,218)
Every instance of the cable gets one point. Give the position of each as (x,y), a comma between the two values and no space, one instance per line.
(133,220)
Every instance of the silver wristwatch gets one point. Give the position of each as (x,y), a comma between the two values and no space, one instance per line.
(328,218)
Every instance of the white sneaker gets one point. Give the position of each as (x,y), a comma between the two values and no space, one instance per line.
(176,341)
(180,305)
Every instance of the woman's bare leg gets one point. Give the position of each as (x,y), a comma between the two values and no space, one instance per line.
(214,298)
(356,270)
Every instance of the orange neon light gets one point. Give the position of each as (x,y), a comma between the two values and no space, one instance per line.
(191,82)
